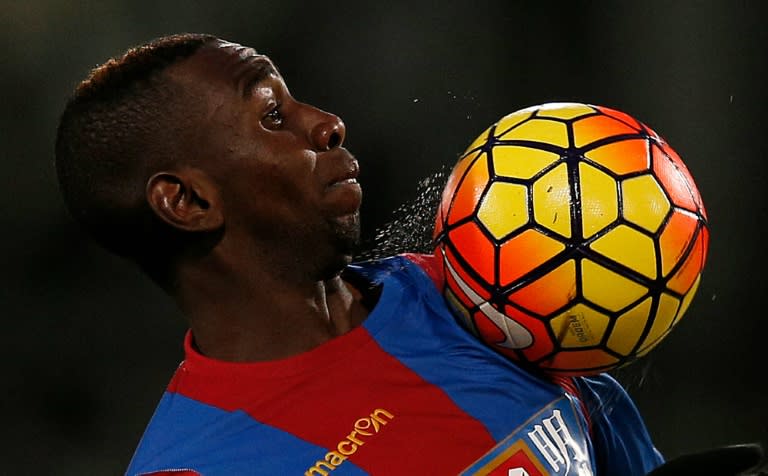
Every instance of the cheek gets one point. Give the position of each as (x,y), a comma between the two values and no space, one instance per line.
(273,193)
(286,181)
(293,169)
(274,176)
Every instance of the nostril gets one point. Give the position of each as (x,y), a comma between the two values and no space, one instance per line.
(334,140)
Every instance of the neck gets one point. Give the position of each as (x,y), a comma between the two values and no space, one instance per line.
(251,313)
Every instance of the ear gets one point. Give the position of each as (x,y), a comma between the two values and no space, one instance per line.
(186,199)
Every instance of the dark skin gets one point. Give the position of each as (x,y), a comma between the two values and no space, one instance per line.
(268,175)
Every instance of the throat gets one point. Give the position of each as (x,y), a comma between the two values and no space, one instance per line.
(363,290)
(261,323)
(349,300)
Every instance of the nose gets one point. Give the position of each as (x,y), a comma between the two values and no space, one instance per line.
(329,132)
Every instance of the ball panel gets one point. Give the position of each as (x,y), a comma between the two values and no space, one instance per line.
(629,327)
(675,237)
(524,253)
(705,244)
(625,118)
(542,344)
(687,300)
(662,321)
(459,310)
(594,128)
(438,223)
(552,201)
(676,184)
(630,248)
(516,335)
(580,362)
(564,110)
(469,189)
(683,169)
(579,326)
(511,120)
(644,202)
(490,331)
(539,130)
(503,208)
(479,142)
(549,293)
(622,157)
(599,200)
(684,278)
(453,266)
(458,292)
(608,289)
(521,162)
(449,191)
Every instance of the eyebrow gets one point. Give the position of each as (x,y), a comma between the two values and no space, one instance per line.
(257,69)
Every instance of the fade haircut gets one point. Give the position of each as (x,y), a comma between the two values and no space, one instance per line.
(125,121)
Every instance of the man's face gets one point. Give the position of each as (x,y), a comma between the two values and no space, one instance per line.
(283,175)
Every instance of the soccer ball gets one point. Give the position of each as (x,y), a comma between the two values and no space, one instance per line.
(572,238)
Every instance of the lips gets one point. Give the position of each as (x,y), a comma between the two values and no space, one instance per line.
(346,181)
(343,181)
(342,195)
(349,173)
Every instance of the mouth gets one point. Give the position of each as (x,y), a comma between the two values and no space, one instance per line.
(348,181)
(348,176)
(343,194)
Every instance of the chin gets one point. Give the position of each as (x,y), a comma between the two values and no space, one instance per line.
(347,233)
(345,241)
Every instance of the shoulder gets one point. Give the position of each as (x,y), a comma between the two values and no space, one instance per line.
(621,441)
(600,390)
(413,266)
(428,263)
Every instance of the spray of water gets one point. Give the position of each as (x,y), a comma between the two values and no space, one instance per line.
(410,229)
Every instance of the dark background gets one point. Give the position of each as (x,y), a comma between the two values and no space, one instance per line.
(88,344)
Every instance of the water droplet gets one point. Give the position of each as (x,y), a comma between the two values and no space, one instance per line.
(412,224)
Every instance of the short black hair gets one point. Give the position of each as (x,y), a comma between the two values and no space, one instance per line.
(123,122)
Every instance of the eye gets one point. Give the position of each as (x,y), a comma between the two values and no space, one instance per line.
(273,119)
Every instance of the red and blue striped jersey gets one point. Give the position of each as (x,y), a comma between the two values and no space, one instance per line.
(407,392)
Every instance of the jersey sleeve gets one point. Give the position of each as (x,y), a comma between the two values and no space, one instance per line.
(430,264)
(619,437)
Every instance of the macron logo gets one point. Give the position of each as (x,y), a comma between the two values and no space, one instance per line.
(364,429)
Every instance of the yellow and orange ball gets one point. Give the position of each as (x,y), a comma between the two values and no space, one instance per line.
(572,236)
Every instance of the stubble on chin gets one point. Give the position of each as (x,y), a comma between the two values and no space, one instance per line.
(347,233)
(346,240)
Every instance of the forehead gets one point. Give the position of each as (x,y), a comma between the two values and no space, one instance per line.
(226,62)
(234,49)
